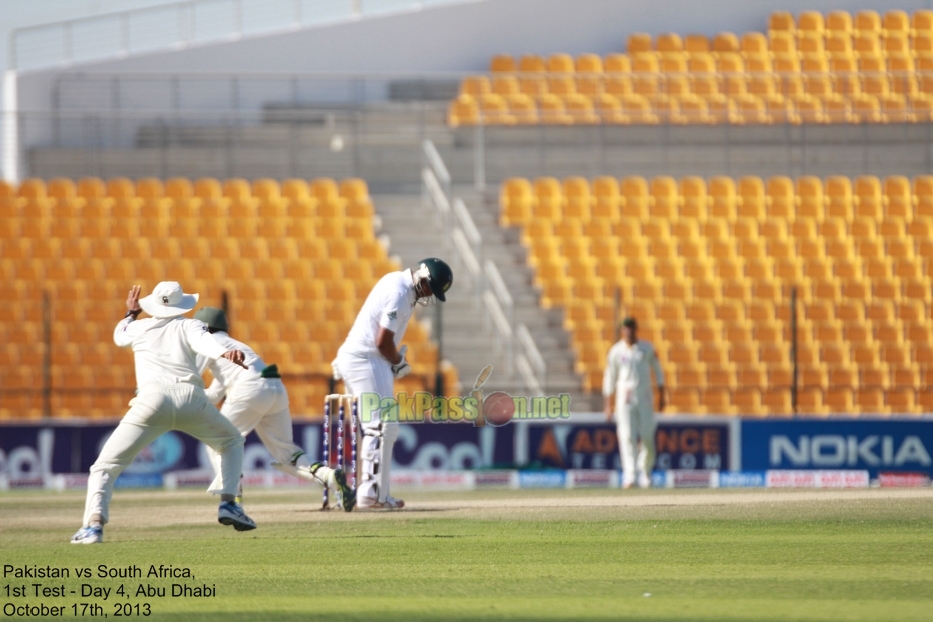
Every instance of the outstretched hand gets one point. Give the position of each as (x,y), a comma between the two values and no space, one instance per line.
(236,357)
(132,300)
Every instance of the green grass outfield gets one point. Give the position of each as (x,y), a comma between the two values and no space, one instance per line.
(517,555)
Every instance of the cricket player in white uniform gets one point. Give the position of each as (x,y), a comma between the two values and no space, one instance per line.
(627,393)
(256,399)
(369,359)
(170,396)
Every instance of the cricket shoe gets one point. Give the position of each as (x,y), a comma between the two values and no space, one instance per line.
(390,503)
(346,496)
(644,480)
(88,535)
(230,513)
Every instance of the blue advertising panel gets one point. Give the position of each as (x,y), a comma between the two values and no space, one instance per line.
(29,451)
(871,444)
(680,445)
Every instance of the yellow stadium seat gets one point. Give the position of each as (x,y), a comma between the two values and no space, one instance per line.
(898,198)
(781,21)
(532,84)
(753,44)
(522,108)
(609,109)
(725,43)
(560,63)
(639,42)
(869,201)
(580,109)
(505,85)
(868,22)
(839,21)
(502,63)
(722,198)
(811,44)
(895,22)
(516,200)
(494,110)
(551,110)
(475,86)
(839,45)
(839,197)
(463,111)
(694,43)
(782,44)
(532,63)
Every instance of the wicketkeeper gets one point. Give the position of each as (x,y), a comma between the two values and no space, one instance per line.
(627,387)
(170,397)
(369,359)
(256,399)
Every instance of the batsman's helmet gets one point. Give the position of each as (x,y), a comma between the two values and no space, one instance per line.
(213,317)
(438,274)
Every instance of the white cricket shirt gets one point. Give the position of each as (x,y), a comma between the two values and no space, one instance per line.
(165,350)
(628,370)
(229,378)
(390,305)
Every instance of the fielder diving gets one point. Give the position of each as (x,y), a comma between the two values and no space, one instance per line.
(170,396)
(369,359)
(256,399)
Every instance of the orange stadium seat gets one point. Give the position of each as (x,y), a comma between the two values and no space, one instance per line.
(716,260)
(105,235)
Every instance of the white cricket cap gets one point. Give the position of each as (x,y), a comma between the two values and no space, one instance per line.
(168,300)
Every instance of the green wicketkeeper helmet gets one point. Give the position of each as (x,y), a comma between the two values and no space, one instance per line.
(213,317)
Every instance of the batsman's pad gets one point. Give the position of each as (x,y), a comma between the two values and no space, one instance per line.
(371,455)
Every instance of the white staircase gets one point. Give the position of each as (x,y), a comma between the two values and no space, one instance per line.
(470,339)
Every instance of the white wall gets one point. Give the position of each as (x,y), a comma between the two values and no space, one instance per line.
(463,37)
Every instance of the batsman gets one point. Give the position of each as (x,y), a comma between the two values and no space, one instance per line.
(370,359)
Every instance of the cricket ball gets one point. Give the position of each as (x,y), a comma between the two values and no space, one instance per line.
(498,408)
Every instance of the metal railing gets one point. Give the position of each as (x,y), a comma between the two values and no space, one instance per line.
(505,343)
(436,163)
(500,290)
(228,112)
(469,259)
(465,223)
(179,25)
(531,357)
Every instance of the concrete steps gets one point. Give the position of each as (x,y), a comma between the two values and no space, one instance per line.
(467,341)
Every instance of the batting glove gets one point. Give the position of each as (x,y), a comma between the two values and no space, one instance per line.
(402,368)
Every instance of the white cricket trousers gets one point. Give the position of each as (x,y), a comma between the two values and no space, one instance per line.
(371,375)
(261,405)
(155,411)
(635,422)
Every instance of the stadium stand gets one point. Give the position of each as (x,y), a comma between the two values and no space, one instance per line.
(295,260)
(836,68)
(707,267)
